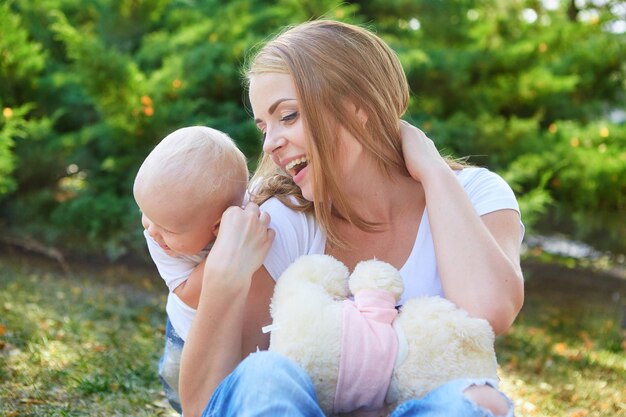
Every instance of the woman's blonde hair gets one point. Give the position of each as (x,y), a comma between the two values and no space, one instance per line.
(334,64)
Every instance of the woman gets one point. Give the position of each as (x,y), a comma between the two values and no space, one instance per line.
(349,179)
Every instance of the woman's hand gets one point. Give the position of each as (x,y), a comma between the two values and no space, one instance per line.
(242,242)
(420,154)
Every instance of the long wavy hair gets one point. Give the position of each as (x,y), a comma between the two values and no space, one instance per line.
(331,64)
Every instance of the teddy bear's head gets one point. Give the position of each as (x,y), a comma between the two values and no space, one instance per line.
(378,275)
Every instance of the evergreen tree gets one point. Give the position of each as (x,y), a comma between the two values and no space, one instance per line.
(525,87)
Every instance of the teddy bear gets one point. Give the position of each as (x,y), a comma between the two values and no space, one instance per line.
(409,351)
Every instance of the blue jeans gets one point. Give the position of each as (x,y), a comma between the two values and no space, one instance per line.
(169,366)
(269,384)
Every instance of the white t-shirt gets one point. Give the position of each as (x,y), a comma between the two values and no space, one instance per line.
(299,234)
(175,270)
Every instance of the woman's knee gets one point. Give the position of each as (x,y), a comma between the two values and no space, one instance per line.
(265,383)
(268,366)
(488,398)
(267,361)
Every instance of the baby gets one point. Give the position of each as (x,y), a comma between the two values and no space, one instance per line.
(182,188)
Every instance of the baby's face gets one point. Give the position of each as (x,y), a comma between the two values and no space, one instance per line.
(177,232)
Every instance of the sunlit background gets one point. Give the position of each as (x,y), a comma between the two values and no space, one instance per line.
(532,89)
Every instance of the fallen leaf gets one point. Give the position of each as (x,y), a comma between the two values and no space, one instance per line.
(560,348)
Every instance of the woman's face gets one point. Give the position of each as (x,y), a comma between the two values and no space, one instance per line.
(277,115)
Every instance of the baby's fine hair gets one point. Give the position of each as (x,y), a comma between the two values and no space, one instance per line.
(204,160)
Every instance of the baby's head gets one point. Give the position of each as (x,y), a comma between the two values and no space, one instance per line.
(184,186)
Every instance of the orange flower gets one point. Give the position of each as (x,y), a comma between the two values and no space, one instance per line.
(146,101)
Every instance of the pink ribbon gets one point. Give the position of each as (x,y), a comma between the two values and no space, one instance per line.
(369,348)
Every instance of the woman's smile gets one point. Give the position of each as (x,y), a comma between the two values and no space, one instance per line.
(276,109)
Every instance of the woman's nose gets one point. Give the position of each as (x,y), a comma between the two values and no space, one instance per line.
(273,141)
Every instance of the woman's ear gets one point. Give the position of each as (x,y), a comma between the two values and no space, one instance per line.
(361,116)
(360,113)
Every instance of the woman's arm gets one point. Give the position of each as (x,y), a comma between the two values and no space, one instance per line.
(214,345)
(477,257)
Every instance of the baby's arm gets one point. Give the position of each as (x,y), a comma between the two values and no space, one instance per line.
(189,290)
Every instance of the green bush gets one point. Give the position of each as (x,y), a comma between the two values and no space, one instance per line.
(88,88)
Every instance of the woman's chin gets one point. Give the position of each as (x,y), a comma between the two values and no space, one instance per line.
(307,194)
(306,189)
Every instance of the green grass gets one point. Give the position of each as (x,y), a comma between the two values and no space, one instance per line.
(78,346)
(87,344)
(566,355)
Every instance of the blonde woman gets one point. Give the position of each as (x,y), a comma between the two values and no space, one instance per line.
(342,175)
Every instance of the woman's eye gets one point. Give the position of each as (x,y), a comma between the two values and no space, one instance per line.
(290,117)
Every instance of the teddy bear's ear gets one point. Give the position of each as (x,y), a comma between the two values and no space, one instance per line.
(375,274)
(323,270)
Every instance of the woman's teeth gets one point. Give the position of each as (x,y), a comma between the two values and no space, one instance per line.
(293,164)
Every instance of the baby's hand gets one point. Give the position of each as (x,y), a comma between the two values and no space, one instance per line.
(242,242)
(420,154)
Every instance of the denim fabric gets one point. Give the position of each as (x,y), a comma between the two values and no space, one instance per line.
(269,384)
(169,366)
(265,384)
(447,400)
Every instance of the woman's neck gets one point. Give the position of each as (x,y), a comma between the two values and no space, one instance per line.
(382,199)
(396,205)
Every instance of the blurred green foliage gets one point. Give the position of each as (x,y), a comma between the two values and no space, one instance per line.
(87,88)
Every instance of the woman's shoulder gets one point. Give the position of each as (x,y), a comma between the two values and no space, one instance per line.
(471,173)
(479,177)
(284,217)
(275,205)
(297,234)
(487,190)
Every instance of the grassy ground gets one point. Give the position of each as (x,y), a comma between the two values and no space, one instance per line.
(566,355)
(87,343)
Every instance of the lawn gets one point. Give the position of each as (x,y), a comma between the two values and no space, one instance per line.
(79,345)
(566,355)
(86,343)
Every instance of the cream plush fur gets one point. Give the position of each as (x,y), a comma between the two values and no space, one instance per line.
(438,342)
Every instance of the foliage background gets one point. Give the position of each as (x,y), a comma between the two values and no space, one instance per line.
(533,89)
